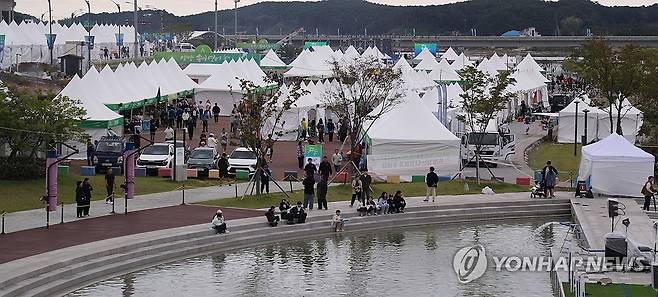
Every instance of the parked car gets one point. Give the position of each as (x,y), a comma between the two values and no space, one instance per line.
(242,158)
(159,155)
(202,158)
(184,47)
(109,152)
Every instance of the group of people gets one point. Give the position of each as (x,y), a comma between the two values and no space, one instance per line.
(386,204)
(83,191)
(310,130)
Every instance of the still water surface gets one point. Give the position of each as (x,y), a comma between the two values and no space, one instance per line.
(405,262)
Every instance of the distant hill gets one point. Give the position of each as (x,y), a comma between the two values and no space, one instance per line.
(489,17)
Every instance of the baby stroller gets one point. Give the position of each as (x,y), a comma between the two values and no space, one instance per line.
(537,191)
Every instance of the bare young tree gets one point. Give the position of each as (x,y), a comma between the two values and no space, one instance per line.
(363,91)
(484,96)
(260,112)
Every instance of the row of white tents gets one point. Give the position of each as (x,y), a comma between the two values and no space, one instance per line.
(26,41)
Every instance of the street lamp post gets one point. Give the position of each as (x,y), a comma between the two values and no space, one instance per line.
(236,19)
(135,29)
(575,131)
(216,25)
(120,45)
(89,35)
(50,31)
(585,140)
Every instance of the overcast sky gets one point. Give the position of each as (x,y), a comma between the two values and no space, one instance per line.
(64,8)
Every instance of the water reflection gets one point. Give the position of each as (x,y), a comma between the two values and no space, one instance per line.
(413,262)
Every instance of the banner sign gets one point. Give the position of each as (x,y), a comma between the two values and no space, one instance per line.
(119,38)
(90,41)
(204,55)
(443,104)
(420,46)
(50,40)
(262,45)
(309,44)
(313,152)
(444,158)
(2,47)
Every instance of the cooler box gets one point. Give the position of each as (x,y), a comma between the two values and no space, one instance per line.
(418,179)
(341,177)
(63,170)
(192,173)
(242,175)
(394,179)
(213,174)
(164,172)
(140,171)
(87,170)
(523,181)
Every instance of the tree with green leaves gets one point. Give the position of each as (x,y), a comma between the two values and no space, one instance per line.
(484,96)
(260,112)
(611,76)
(30,122)
(363,91)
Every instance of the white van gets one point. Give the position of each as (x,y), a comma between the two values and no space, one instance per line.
(184,47)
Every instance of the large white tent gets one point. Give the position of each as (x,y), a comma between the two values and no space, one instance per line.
(313,64)
(424,55)
(631,121)
(461,62)
(615,167)
(272,61)
(428,64)
(408,139)
(567,122)
(450,55)
(443,72)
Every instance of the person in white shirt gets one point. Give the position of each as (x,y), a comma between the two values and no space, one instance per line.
(169,133)
(383,203)
(219,223)
(212,142)
(337,160)
(337,222)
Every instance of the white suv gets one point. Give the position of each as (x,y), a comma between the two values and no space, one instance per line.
(159,155)
(242,158)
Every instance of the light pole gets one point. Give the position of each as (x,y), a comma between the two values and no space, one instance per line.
(50,31)
(575,131)
(88,35)
(216,25)
(585,140)
(135,29)
(236,20)
(17,55)
(119,44)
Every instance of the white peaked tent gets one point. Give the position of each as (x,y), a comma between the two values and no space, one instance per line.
(428,65)
(424,54)
(450,55)
(615,167)
(631,121)
(374,53)
(443,72)
(314,64)
(498,63)
(486,67)
(271,60)
(567,122)
(461,62)
(408,139)
(413,80)
(350,55)
(529,64)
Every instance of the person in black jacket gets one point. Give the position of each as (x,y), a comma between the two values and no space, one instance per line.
(284,206)
(297,214)
(86,190)
(322,194)
(325,168)
(399,202)
(215,112)
(272,218)
(79,199)
(309,191)
(432,181)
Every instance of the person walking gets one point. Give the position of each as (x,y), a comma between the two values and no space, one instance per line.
(303,126)
(526,124)
(222,165)
(648,191)
(312,129)
(109,185)
(169,133)
(300,155)
(186,117)
(366,180)
(153,128)
(357,188)
(91,152)
(79,199)
(325,168)
(223,141)
(309,191)
(331,127)
(310,169)
(337,160)
(179,118)
(320,127)
(215,112)
(322,194)
(432,181)
(549,178)
(265,174)
(204,119)
(86,190)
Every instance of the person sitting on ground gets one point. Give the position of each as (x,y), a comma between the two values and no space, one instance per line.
(297,214)
(391,204)
(337,222)
(371,207)
(219,223)
(362,208)
(272,218)
(382,203)
(284,207)
(399,201)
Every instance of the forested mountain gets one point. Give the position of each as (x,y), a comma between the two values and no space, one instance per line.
(489,17)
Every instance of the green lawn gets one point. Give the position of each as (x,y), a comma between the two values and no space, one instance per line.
(613,290)
(344,193)
(25,195)
(561,155)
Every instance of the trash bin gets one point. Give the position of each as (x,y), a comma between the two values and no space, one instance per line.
(418,179)
(242,175)
(63,170)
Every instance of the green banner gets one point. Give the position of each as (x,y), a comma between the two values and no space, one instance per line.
(261,45)
(101,124)
(314,43)
(430,46)
(313,152)
(204,55)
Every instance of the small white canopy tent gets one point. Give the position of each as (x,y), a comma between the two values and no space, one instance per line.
(567,122)
(408,139)
(498,62)
(486,67)
(615,167)
(424,54)
(631,121)
(443,72)
(271,60)
(461,62)
(450,55)
(428,64)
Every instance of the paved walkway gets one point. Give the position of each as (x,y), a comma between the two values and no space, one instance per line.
(36,218)
(524,141)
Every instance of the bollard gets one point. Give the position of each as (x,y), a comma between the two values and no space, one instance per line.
(112,212)
(47,217)
(3,223)
(183,190)
(290,185)
(125,205)
(61,205)
(236,190)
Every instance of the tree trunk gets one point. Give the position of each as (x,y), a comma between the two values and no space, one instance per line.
(619,118)
(257,181)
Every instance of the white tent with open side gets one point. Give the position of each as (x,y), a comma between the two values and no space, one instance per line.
(408,139)
(568,118)
(615,167)
(631,121)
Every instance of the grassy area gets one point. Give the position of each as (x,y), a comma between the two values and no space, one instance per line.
(614,290)
(344,193)
(25,195)
(561,155)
